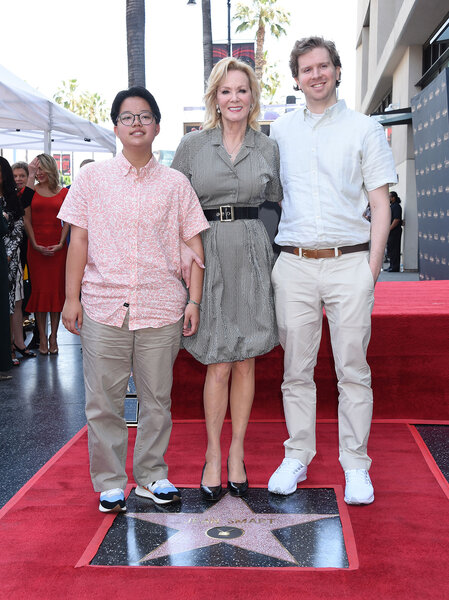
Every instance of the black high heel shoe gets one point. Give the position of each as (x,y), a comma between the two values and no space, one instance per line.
(210,493)
(238,489)
(24,352)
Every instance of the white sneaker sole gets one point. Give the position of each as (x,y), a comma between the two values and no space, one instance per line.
(144,493)
(282,492)
(355,501)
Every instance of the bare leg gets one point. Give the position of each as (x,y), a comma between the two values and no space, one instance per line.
(54,324)
(241,401)
(41,320)
(215,405)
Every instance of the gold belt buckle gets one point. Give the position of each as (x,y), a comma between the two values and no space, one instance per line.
(226,214)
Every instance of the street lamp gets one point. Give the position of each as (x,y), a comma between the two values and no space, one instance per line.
(193,2)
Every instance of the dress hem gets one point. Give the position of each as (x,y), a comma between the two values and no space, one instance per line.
(240,359)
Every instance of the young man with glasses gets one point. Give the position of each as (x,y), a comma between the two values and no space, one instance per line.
(333,161)
(129,216)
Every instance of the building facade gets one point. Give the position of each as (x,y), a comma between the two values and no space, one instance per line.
(402,47)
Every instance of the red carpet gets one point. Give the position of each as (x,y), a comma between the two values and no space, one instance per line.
(408,355)
(401,539)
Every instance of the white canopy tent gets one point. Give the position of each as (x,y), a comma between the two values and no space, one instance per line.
(30,121)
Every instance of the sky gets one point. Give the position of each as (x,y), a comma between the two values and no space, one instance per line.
(50,41)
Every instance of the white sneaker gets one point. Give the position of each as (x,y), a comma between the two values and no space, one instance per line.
(359,489)
(286,477)
(112,501)
(160,491)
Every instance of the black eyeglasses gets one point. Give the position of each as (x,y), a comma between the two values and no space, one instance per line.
(128,118)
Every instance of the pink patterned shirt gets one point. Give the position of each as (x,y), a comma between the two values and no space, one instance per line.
(134,222)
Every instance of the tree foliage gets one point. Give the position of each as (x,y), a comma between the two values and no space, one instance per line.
(271,82)
(86,104)
(260,15)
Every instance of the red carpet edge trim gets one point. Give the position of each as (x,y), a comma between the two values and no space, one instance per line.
(29,484)
(99,536)
(348,536)
(434,468)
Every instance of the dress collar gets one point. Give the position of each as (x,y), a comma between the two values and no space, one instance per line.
(248,140)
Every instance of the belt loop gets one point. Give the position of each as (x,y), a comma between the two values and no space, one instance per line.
(300,252)
(336,252)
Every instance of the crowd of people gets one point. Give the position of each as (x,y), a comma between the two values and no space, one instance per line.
(138,229)
(33,241)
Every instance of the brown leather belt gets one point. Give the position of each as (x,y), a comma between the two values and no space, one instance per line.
(325,252)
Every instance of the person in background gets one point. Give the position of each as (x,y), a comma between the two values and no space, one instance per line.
(47,250)
(86,161)
(5,334)
(333,161)
(128,216)
(394,236)
(233,168)
(13,212)
(25,195)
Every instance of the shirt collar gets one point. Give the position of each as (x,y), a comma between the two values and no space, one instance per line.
(330,112)
(126,167)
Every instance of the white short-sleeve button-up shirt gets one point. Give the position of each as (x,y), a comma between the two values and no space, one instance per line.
(327,167)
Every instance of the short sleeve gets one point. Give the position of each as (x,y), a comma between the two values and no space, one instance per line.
(378,166)
(191,216)
(274,187)
(74,207)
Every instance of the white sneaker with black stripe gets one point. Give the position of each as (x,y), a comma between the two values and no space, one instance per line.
(112,501)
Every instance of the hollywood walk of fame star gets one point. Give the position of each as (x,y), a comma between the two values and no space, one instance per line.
(229,521)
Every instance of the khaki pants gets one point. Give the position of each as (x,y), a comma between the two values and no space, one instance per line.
(344,286)
(109,354)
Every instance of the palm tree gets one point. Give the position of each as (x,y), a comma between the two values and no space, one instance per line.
(135,36)
(261,14)
(207,40)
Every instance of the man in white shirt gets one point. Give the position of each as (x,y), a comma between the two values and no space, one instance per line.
(333,162)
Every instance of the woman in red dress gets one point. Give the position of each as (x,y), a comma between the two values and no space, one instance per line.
(47,250)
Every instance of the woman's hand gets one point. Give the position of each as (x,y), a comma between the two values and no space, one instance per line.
(72,313)
(55,248)
(33,166)
(45,250)
(191,320)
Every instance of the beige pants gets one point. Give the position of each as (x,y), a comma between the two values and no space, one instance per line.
(345,287)
(109,354)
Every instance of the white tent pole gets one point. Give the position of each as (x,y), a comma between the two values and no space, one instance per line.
(47,141)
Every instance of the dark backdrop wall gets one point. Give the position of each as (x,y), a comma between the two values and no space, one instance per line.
(431,139)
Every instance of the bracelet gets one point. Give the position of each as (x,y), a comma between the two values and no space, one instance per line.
(193,302)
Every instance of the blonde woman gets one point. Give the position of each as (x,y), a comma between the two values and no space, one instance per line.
(47,249)
(233,168)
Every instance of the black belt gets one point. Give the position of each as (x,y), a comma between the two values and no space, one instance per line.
(325,252)
(230,213)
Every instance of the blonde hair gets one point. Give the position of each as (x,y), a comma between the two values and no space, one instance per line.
(48,164)
(212,118)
